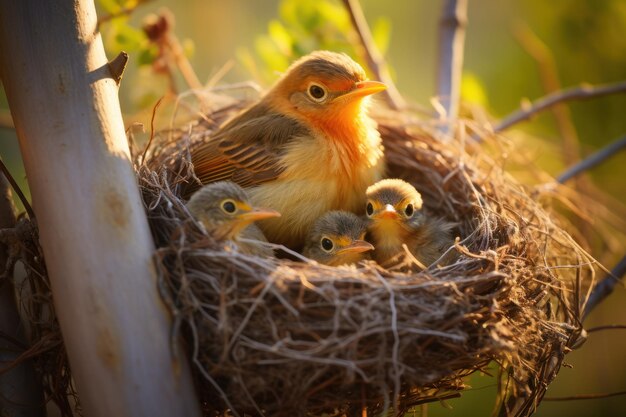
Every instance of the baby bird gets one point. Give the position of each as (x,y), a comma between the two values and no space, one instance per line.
(307,147)
(224,209)
(337,238)
(394,209)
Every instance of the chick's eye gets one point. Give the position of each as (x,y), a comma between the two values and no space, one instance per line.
(317,92)
(327,244)
(369,209)
(409,210)
(229,206)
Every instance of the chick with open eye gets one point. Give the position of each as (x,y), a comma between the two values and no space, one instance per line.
(394,208)
(337,238)
(225,211)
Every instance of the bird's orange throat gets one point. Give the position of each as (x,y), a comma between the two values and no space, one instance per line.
(347,125)
(351,133)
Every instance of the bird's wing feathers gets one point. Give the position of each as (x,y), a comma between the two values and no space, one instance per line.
(247,149)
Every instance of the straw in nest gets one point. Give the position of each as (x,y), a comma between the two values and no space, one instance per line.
(279,337)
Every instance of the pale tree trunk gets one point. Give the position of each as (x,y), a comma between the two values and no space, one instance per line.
(21,394)
(93,229)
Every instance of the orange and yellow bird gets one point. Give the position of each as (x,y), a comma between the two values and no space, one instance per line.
(307,147)
(394,208)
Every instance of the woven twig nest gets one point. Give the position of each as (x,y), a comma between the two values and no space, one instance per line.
(279,337)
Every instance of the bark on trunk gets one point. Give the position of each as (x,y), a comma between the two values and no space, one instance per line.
(93,228)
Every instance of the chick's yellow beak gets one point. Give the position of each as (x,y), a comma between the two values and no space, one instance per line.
(365,88)
(357,246)
(389,212)
(257,214)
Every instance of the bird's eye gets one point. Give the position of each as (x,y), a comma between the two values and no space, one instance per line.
(369,209)
(327,244)
(409,210)
(229,206)
(317,92)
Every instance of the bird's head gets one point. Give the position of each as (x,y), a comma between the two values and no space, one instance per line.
(225,210)
(326,89)
(337,238)
(392,203)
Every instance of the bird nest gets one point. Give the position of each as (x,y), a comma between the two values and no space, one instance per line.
(285,337)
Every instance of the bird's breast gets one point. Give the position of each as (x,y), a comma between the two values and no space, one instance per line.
(319,175)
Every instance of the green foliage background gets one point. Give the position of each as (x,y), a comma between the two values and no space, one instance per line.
(261,37)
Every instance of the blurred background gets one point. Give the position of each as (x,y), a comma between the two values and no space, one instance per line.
(579,40)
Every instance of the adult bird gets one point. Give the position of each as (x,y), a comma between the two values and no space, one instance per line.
(225,211)
(394,208)
(337,238)
(307,147)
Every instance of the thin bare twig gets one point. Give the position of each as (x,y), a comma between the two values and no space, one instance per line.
(607,327)
(154,110)
(593,160)
(18,190)
(451,44)
(375,61)
(548,73)
(586,396)
(583,92)
(160,30)
(605,287)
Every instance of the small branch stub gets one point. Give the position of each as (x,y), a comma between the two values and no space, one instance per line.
(117,66)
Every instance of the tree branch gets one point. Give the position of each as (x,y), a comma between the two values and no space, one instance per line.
(583,92)
(592,160)
(451,45)
(586,396)
(605,287)
(607,327)
(375,61)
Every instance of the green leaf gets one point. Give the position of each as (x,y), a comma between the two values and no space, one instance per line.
(270,54)
(381,33)
(281,37)
(129,38)
(332,13)
(472,89)
(110,6)
(147,56)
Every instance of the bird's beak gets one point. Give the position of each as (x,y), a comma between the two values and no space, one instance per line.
(365,88)
(257,214)
(357,246)
(389,212)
